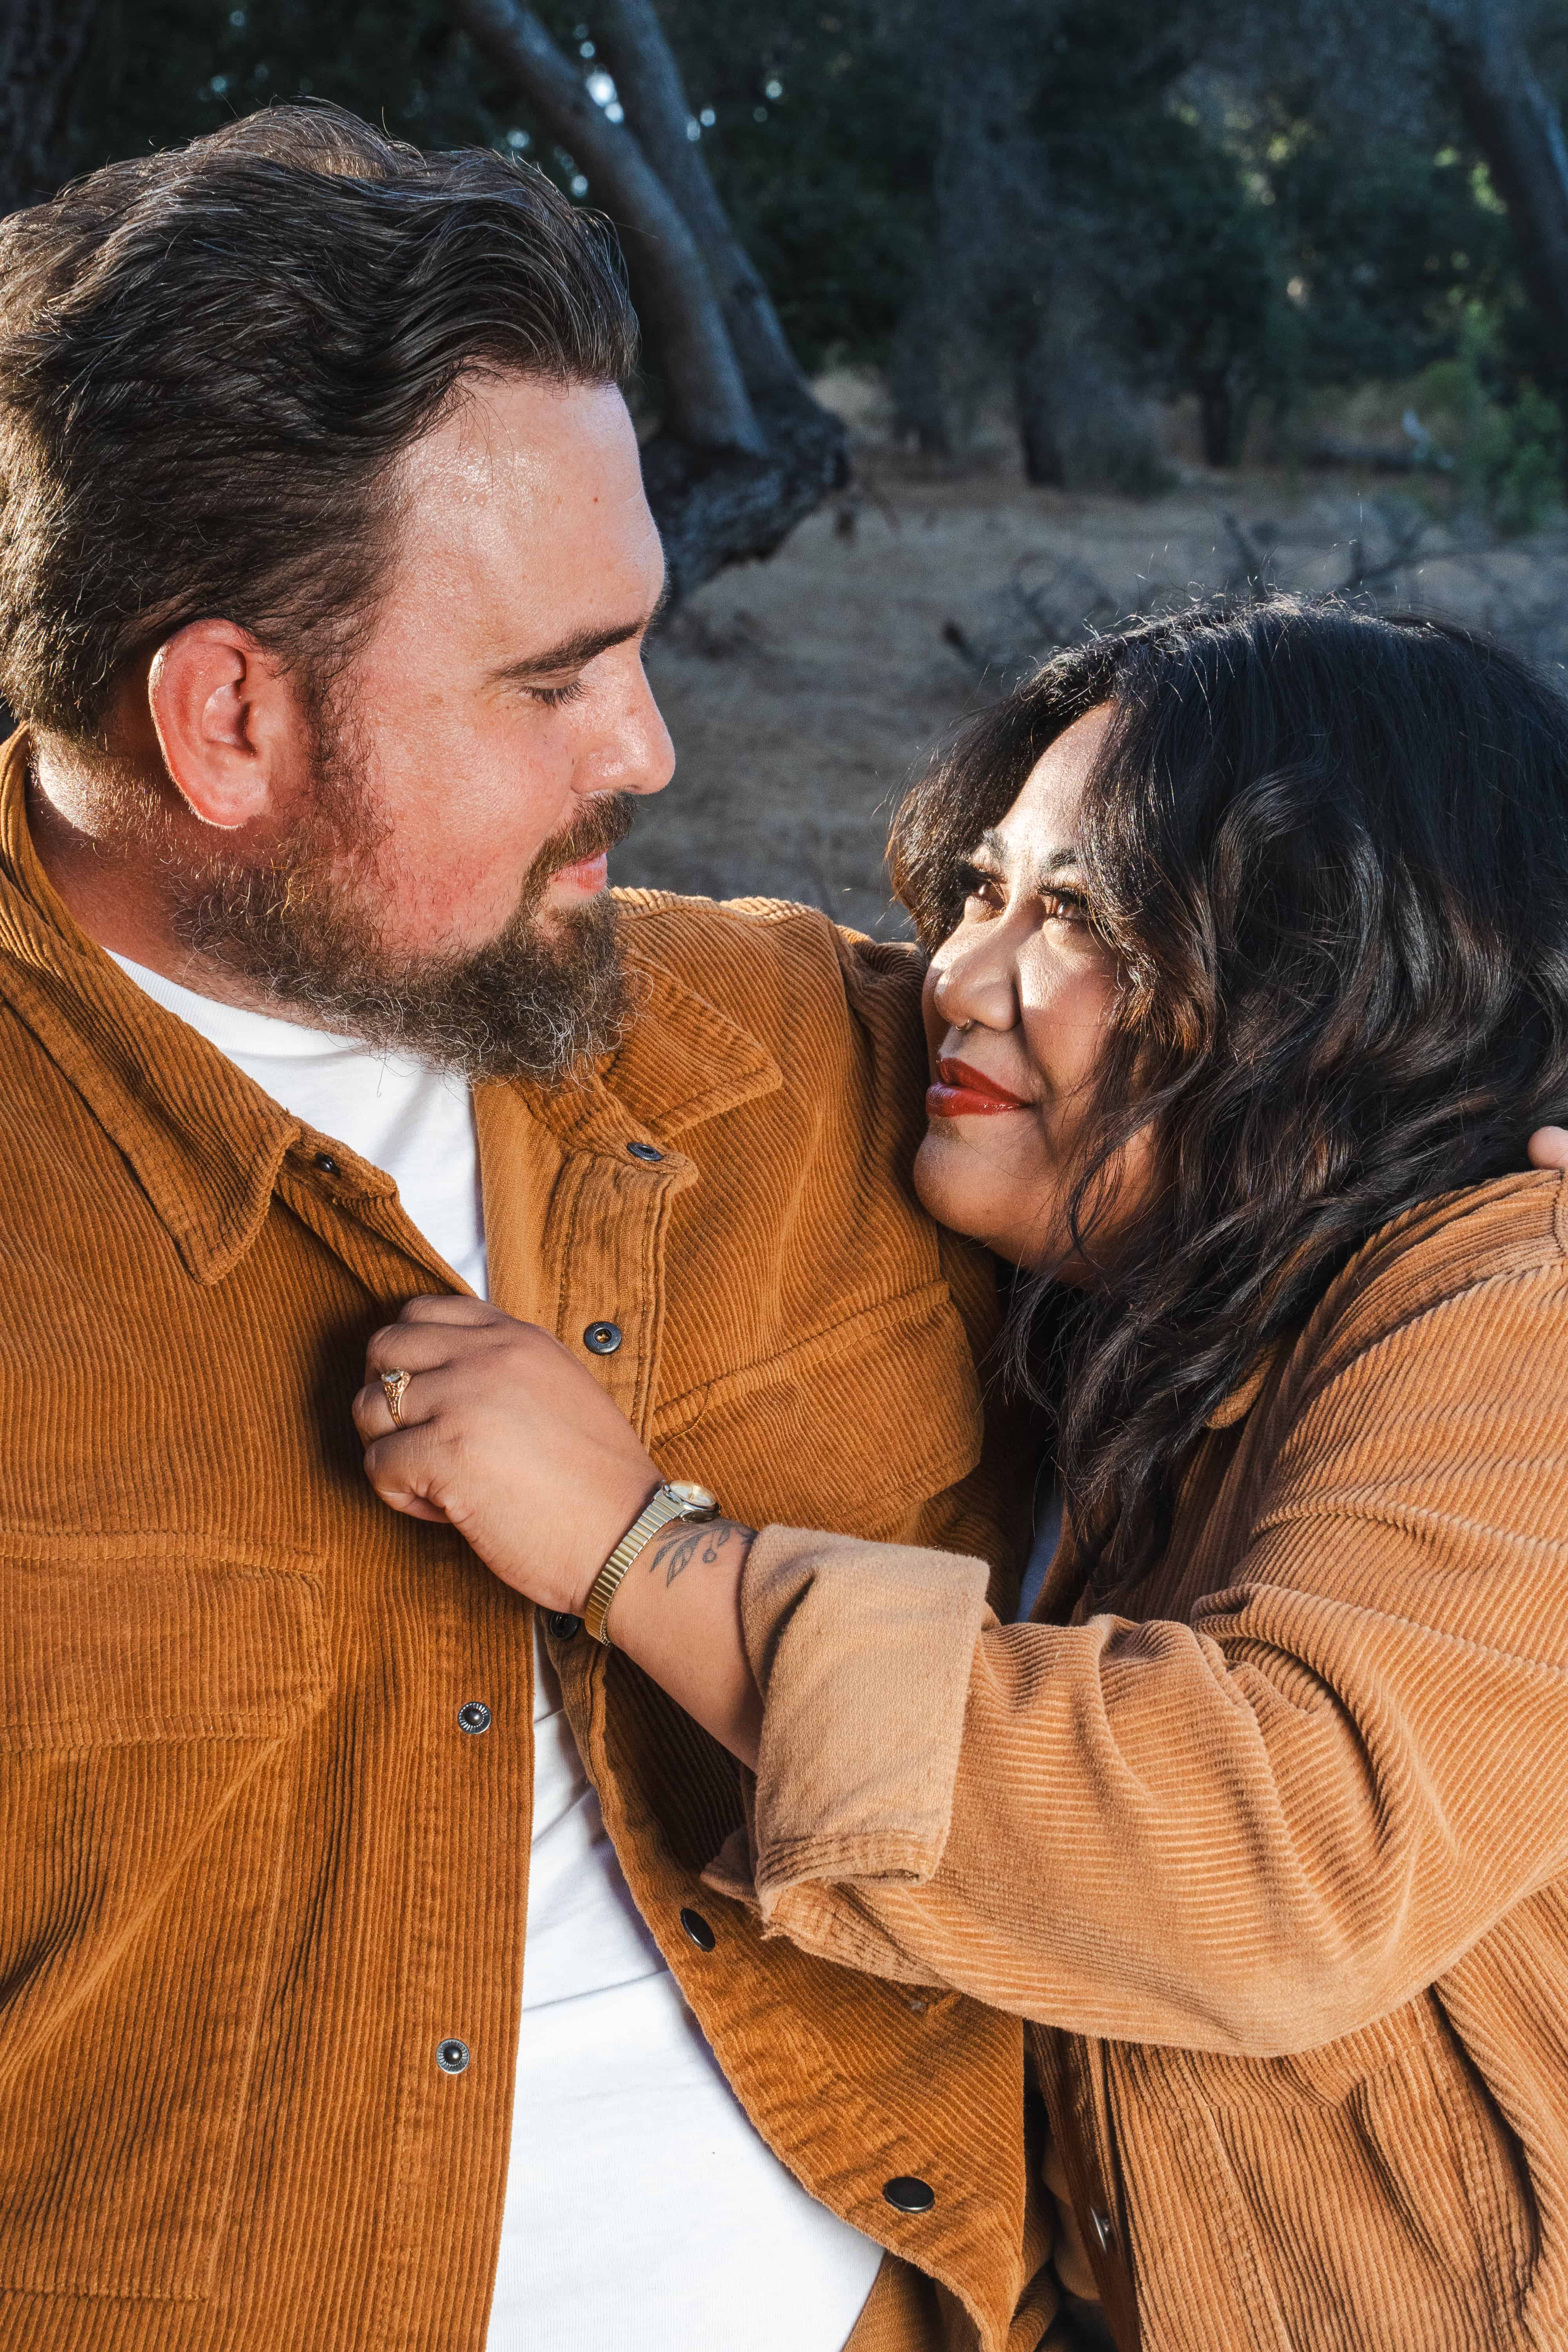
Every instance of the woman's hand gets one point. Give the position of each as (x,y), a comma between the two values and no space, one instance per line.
(504,1436)
(508,1439)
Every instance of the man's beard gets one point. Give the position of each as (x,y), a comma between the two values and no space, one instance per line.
(535,1002)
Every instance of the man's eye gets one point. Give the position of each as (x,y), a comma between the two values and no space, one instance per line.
(553,696)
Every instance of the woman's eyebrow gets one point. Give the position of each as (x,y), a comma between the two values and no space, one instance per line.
(1057,861)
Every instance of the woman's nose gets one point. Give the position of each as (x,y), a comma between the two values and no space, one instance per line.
(976,985)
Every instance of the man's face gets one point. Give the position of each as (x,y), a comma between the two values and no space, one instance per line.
(432,880)
(502,687)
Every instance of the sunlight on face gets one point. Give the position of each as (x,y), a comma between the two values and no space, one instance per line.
(1015,1004)
(502,686)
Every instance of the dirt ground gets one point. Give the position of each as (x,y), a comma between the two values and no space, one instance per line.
(804,692)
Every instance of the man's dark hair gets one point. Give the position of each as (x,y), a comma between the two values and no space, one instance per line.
(211,360)
(1328,851)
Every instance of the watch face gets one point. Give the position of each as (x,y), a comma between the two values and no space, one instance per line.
(698,1496)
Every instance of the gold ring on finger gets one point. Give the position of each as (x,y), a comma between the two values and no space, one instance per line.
(395,1384)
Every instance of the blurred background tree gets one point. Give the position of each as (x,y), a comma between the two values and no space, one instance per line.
(1099,205)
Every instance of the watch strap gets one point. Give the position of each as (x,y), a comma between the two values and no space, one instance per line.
(662,1507)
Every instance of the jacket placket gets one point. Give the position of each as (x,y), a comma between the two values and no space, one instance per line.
(464,1844)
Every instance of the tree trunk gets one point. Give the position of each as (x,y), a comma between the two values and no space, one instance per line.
(711,517)
(744,452)
(649,82)
(1216,415)
(42,45)
(1519,131)
(991,205)
(919,369)
(708,403)
(1034,396)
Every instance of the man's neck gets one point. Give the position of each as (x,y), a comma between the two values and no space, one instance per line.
(116,889)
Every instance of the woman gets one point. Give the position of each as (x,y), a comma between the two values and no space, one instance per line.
(1249,981)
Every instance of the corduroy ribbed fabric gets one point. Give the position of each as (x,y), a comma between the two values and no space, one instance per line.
(255,1874)
(1273,1856)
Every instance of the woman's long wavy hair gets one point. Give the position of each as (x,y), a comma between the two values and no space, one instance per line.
(1328,851)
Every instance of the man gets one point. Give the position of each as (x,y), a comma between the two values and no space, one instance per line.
(325,573)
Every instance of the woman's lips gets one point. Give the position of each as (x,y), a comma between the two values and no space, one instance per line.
(963,1093)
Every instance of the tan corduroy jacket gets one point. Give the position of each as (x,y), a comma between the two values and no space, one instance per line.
(252,1871)
(1274,1858)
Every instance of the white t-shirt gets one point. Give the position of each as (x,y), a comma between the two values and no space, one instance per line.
(624,2130)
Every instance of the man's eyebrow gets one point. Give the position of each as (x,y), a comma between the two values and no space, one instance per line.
(576,651)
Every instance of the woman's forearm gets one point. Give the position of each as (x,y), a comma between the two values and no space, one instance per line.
(678,1616)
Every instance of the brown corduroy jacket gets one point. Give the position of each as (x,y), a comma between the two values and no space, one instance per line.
(252,1873)
(1273,1856)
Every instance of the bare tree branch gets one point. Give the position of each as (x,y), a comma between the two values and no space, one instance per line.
(710,406)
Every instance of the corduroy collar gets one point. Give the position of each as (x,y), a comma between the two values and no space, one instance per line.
(206,1144)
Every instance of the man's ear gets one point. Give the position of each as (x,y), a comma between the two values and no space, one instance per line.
(228,721)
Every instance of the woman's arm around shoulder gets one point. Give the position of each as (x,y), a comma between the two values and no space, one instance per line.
(1258,1824)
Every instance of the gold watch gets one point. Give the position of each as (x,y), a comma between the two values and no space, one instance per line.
(677,1500)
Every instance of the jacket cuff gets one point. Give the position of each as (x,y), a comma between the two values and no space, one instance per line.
(862,1652)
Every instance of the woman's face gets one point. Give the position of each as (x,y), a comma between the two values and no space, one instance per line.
(1016,1005)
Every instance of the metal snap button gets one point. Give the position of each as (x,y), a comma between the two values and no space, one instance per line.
(908,2195)
(602,1338)
(564,1626)
(474,1717)
(326,1163)
(697,1928)
(452,2057)
(649,1151)
(1105,2234)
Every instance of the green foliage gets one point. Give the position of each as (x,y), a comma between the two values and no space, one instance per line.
(821,146)
(1384,249)
(1505,440)
(1243,252)
(163,72)
(829,189)
(1195,260)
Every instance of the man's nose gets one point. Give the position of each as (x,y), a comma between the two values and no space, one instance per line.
(642,757)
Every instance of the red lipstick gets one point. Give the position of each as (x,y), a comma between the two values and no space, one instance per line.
(963,1093)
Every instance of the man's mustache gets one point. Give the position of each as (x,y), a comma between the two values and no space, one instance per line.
(601,823)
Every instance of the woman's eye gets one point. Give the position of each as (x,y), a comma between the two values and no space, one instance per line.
(983,894)
(1065,907)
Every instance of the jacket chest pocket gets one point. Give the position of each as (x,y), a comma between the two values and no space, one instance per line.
(152,1696)
(849,1430)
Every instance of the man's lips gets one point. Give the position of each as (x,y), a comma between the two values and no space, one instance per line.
(963,1093)
(588,874)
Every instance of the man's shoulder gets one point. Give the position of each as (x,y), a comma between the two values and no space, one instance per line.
(774,966)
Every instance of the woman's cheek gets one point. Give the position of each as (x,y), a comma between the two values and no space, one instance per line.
(998,1191)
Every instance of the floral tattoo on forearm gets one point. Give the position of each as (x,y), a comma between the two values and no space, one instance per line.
(702,1544)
